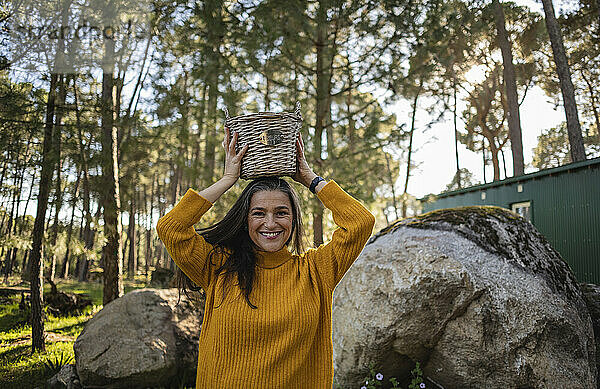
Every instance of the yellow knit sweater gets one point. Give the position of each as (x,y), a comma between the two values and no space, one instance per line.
(286,342)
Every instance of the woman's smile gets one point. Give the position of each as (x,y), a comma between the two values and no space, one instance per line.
(270,235)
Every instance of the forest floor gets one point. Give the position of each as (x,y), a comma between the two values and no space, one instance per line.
(19,368)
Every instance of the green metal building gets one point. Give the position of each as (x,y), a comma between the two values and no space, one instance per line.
(563,203)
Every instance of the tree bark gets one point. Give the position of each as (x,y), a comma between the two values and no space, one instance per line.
(483,156)
(131,262)
(594,102)
(25,269)
(148,252)
(510,82)
(410,143)
(566,85)
(113,259)
(136,261)
(454,117)
(495,161)
(200,120)
(37,264)
(88,236)
(64,271)
(392,185)
(8,259)
(322,100)
(598,16)
(211,130)
(213,15)
(125,242)
(62,93)
(161,211)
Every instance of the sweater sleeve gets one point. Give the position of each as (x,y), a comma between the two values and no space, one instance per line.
(188,249)
(355,224)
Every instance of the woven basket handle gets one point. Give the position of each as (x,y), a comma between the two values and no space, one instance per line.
(297,111)
(226,113)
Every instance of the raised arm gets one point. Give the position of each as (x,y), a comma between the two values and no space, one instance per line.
(355,224)
(176,230)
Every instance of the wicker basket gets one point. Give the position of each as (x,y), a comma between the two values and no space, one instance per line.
(271,140)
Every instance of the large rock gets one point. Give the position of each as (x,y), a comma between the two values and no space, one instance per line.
(591,296)
(143,339)
(66,378)
(476,294)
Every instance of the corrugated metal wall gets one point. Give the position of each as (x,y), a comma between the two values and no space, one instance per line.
(565,208)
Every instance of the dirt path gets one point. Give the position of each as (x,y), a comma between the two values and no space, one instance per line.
(51,337)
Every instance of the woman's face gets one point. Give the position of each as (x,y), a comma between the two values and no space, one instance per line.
(270,220)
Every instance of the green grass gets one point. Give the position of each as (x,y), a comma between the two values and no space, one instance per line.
(19,368)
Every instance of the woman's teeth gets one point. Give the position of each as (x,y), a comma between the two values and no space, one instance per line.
(270,234)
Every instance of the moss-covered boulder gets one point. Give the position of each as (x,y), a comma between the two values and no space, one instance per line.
(143,339)
(476,294)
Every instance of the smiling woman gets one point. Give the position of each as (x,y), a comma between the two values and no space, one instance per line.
(284,341)
(270,220)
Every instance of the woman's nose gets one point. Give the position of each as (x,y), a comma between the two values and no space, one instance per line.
(270,221)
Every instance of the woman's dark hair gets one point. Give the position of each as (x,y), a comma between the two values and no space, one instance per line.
(230,235)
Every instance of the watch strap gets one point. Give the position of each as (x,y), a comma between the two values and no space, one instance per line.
(314,183)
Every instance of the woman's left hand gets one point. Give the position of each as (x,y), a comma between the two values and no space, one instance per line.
(304,174)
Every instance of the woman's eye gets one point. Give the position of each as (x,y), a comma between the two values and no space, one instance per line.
(258,214)
(282,213)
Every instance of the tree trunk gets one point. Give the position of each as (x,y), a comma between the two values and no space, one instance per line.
(503,162)
(64,271)
(510,82)
(598,16)
(594,102)
(11,220)
(483,155)
(148,252)
(125,243)
(410,143)
(454,118)
(322,110)
(58,191)
(200,119)
(211,127)
(183,139)
(136,260)
(495,161)
(2,175)
(161,211)
(88,236)
(351,121)
(267,90)
(131,262)
(37,264)
(25,269)
(566,85)
(213,16)
(151,254)
(392,185)
(113,259)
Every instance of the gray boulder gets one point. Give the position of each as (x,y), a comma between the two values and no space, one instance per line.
(143,339)
(591,295)
(66,378)
(476,294)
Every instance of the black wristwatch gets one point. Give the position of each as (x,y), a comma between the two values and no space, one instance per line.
(314,183)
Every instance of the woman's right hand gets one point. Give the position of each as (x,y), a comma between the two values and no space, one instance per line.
(233,165)
(233,160)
